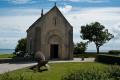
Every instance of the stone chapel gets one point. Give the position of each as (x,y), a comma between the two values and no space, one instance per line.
(51,34)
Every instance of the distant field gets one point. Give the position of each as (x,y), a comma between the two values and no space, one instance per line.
(6,55)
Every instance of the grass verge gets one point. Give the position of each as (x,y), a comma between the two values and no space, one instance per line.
(6,55)
(56,72)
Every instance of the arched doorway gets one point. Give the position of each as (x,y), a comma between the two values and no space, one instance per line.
(54,49)
(54,43)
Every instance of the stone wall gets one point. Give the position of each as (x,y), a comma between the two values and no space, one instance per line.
(52,28)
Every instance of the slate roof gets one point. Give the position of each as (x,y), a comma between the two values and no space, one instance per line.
(39,19)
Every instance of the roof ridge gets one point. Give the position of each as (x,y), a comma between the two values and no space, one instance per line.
(54,7)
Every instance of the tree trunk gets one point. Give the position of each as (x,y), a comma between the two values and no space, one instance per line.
(97,49)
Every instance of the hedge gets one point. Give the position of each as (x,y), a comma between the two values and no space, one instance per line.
(109,59)
(88,55)
(15,60)
(114,52)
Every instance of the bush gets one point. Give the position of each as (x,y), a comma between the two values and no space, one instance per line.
(80,48)
(114,72)
(114,52)
(7,76)
(86,75)
(109,59)
(111,73)
(20,50)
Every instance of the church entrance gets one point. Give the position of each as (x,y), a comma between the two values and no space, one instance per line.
(54,51)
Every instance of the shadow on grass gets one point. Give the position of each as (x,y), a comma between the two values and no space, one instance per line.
(35,69)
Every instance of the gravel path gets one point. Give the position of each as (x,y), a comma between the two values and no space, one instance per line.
(75,60)
(10,67)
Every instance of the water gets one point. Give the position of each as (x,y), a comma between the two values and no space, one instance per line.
(6,51)
(96,51)
(10,51)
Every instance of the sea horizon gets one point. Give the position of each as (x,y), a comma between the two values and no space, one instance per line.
(10,51)
(6,51)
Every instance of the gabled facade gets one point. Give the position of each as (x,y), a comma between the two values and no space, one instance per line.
(51,34)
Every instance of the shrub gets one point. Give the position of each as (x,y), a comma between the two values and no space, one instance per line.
(114,52)
(109,59)
(7,76)
(90,74)
(20,49)
(111,73)
(114,72)
(80,48)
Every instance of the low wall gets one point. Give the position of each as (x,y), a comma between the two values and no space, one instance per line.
(13,60)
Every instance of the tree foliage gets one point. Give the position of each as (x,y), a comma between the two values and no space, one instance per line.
(20,49)
(95,32)
(80,47)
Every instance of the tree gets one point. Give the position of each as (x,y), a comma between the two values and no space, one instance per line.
(95,32)
(80,47)
(20,49)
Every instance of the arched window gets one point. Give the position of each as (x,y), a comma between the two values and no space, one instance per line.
(30,46)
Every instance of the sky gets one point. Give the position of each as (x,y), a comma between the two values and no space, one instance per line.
(16,16)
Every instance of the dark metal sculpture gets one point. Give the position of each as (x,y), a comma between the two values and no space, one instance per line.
(40,58)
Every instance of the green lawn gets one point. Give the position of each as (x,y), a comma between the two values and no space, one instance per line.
(56,71)
(6,55)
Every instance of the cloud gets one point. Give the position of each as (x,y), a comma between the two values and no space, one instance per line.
(54,0)
(108,16)
(8,43)
(19,1)
(66,8)
(13,27)
(94,1)
(73,0)
(88,1)
(16,12)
